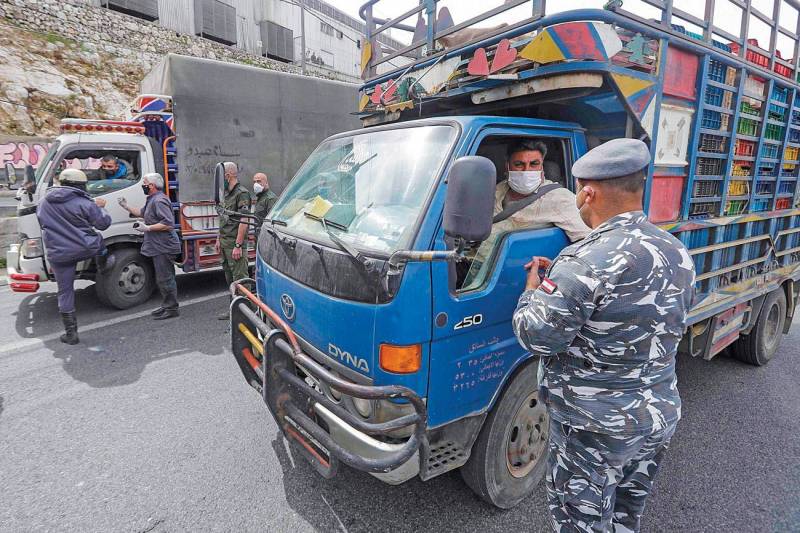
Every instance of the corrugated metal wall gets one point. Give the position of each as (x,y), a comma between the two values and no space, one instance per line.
(177,15)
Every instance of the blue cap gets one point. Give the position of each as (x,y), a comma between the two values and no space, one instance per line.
(613,159)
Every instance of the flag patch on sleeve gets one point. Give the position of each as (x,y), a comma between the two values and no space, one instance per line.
(548,285)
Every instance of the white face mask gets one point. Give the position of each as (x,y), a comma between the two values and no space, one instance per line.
(258,188)
(524,181)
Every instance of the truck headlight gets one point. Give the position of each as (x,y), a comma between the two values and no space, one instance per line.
(32,248)
(364,407)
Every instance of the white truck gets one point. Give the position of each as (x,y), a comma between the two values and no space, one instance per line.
(193,113)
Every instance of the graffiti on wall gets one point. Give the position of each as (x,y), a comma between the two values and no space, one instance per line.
(23,153)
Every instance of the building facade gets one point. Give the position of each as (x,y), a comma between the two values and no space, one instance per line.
(270,28)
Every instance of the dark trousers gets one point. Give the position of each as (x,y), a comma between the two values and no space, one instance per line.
(65,279)
(600,482)
(165,279)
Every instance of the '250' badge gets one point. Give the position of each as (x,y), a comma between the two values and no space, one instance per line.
(468,321)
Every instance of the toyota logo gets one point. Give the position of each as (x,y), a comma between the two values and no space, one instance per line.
(287,306)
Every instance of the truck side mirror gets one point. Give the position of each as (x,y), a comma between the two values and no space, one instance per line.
(469,205)
(219,183)
(30,175)
(11,175)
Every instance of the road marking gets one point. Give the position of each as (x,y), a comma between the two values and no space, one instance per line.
(30,343)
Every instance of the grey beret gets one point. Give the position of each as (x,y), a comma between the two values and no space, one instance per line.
(615,158)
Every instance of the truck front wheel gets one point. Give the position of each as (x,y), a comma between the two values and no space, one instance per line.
(129,283)
(509,457)
(760,345)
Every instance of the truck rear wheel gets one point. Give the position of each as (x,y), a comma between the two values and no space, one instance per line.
(759,347)
(509,457)
(129,283)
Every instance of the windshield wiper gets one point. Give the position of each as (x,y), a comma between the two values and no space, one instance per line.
(366,262)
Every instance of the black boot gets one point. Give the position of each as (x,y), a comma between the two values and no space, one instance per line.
(105,262)
(71,328)
(167,313)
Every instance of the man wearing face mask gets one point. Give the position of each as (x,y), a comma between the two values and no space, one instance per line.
(265,199)
(161,242)
(605,322)
(526,200)
(232,240)
(113,168)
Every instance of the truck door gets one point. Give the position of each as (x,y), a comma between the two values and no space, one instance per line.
(474,347)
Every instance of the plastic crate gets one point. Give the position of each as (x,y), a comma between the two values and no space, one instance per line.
(776,112)
(712,143)
(795,117)
(716,71)
(745,148)
(783,203)
(705,189)
(752,107)
(794,136)
(712,120)
(735,207)
(789,170)
(738,188)
(780,94)
(765,187)
(703,209)
(714,96)
(774,132)
(754,56)
(754,86)
(707,166)
(759,204)
(665,198)
(747,127)
(769,151)
(786,187)
(791,153)
(742,168)
(768,169)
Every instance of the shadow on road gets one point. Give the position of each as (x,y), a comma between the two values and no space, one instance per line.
(347,502)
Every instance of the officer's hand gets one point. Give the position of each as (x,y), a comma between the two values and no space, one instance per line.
(236,254)
(216,246)
(536,268)
(100,202)
(123,203)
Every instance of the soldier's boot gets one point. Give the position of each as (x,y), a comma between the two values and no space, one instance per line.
(70,327)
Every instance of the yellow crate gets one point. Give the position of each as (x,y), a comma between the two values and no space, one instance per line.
(737,188)
(791,153)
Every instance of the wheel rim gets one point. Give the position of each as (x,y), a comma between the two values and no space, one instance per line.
(526,437)
(132,278)
(771,327)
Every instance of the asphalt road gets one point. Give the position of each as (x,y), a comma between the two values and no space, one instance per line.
(148,426)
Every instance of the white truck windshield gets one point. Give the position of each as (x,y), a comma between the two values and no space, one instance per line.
(368,189)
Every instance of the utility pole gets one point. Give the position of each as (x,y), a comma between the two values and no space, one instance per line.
(303,36)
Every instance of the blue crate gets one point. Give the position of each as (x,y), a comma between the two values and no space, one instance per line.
(780,94)
(770,151)
(712,120)
(714,96)
(716,71)
(786,187)
(721,46)
(794,136)
(760,204)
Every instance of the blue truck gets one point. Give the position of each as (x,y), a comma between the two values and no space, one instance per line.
(366,337)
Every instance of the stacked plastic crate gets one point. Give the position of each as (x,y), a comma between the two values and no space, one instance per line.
(768,184)
(713,144)
(787,185)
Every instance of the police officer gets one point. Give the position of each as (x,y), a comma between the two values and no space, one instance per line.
(265,199)
(606,321)
(68,217)
(232,240)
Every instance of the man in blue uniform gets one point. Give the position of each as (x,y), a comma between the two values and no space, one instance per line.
(606,321)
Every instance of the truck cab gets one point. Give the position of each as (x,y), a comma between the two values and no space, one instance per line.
(84,144)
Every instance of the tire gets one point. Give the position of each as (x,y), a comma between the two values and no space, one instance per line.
(129,283)
(759,347)
(494,470)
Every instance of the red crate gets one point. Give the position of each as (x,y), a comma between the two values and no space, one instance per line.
(746,148)
(752,56)
(783,203)
(665,198)
(783,70)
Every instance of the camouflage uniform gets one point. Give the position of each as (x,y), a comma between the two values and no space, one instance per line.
(264,202)
(606,324)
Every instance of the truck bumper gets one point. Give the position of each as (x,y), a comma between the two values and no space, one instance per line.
(23,274)
(326,433)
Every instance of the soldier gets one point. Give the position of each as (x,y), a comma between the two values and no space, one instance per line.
(606,321)
(232,241)
(265,199)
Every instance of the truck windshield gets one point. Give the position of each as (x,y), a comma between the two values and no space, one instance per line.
(368,189)
(51,153)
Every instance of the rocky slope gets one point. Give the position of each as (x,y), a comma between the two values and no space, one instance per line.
(45,77)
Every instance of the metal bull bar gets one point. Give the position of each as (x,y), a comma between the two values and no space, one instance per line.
(269,356)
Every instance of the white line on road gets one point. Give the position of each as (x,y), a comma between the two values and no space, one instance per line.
(30,343)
